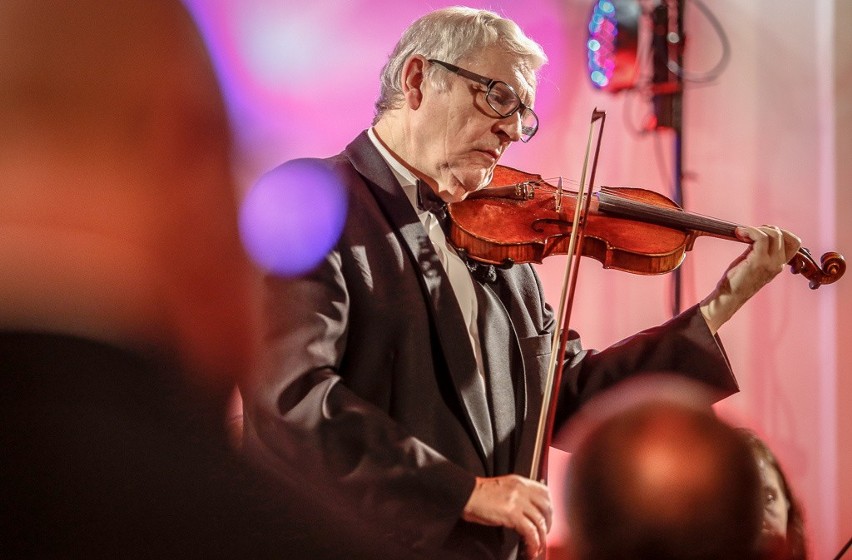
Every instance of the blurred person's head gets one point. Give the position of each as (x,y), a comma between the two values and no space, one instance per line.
(662,479)
(118,219)
(783,518)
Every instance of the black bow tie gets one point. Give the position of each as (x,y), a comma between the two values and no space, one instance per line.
(429,201)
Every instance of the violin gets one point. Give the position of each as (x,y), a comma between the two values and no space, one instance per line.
(521,218)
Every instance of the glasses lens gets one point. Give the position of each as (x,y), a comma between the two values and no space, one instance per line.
(502,98)
(529,124)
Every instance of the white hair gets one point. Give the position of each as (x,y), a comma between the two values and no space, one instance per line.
(451,34)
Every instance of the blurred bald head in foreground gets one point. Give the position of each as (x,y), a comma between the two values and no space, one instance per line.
(118,219)
(663,479)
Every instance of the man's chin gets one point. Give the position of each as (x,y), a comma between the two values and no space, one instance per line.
(489,175)
(479,181)
(470,182)
(463,192)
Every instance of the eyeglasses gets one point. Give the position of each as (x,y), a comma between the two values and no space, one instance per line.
(501,97)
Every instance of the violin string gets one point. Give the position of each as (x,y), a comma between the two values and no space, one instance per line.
(545,180)
(611,200)
(564,180)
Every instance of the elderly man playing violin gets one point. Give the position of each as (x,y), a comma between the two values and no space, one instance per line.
(408,387)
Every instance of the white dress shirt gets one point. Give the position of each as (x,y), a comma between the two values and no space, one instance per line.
(455,268)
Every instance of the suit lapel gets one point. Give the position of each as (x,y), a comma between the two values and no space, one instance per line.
(443,305)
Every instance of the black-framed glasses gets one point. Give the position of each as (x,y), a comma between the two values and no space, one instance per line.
(501,97)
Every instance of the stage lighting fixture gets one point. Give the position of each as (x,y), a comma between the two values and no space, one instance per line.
(613,44)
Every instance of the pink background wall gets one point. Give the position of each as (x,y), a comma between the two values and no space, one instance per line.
(767,142)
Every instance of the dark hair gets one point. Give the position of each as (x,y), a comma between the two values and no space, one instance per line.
(795,544)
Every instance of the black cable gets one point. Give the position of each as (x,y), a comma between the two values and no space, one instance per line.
(724,59)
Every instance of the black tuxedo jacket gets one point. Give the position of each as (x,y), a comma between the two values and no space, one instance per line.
(369,391)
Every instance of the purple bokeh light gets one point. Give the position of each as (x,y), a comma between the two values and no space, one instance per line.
(292,217)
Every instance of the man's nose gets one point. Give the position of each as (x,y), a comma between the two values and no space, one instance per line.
(511,126)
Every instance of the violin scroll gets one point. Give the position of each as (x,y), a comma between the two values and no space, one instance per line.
(831,268)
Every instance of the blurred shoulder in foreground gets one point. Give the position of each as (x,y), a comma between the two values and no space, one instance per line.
(126,305)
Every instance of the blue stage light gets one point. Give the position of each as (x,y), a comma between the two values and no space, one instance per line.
(612,44)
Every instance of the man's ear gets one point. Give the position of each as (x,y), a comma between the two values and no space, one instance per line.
(412,80)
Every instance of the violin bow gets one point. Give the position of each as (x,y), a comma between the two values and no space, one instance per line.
(544,434)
